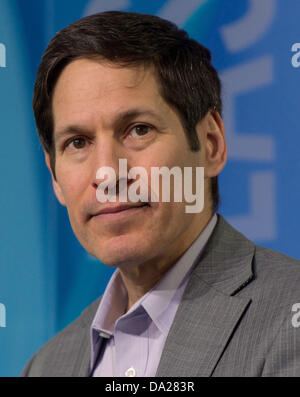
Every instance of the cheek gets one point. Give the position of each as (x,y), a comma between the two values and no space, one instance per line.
(168,216)
(73,184)
(167,225)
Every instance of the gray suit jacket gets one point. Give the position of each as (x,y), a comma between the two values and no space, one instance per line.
(235,318)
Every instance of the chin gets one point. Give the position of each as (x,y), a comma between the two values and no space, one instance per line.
(120,252)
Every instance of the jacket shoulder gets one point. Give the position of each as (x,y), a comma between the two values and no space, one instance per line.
(62,347)
(276,266)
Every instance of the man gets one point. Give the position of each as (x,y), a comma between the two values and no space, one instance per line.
(191,296)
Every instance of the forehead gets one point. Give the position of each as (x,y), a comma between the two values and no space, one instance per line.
(92,94)
(95,80)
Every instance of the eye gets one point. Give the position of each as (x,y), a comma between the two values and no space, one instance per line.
(140,130)
(76,143)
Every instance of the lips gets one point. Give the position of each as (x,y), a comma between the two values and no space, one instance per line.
(113,209)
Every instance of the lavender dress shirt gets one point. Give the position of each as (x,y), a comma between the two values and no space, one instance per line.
(130,344)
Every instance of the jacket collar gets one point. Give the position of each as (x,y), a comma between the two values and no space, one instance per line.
(210,310)
(226,264)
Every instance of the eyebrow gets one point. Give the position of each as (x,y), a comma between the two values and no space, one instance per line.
(70,130)
(121,118)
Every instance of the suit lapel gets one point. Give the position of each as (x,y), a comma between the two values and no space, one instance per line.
(72,358)
(81,367)
(209,312)
(199,334)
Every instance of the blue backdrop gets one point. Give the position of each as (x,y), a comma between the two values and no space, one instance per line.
(46,278)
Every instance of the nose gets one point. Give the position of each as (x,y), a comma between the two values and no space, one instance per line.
(110,164)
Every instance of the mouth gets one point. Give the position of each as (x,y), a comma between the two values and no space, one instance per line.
(119,212)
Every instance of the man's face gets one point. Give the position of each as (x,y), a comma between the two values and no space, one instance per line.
(103,113)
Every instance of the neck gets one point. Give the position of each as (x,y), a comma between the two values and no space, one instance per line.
(141,278)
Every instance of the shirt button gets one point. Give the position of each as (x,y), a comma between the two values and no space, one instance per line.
(131,372)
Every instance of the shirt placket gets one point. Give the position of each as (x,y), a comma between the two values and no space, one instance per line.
(131,351)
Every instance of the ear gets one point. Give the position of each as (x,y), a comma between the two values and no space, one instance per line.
(55,184)
(214,143)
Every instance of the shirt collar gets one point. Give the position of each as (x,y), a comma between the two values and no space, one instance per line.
(112,305)
(157,300)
